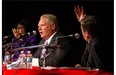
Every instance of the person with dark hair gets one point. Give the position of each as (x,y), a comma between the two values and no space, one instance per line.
(94,53)
(21,39)
(20,28)
(56,56)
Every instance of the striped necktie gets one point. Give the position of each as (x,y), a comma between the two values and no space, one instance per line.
(43,50)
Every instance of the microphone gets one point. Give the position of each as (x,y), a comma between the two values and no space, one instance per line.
(6,37)
(29,33)
(33,32)
(73,35)
(22,36)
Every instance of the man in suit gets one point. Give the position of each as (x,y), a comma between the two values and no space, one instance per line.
(57,57)
(94,55)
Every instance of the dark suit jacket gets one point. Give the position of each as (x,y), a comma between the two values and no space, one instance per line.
(96,55)
(58,57)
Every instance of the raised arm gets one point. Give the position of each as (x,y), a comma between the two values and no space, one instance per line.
(80,14)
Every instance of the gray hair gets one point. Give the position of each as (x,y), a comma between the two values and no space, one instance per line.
(52,19)
(89,23)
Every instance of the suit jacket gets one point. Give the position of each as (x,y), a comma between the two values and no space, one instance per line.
(92,56)
(58,57)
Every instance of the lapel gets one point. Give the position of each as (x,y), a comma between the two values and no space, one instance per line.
(89,44)
(42,41)
(54,41)
(48,49)
(85,56)
(86,53)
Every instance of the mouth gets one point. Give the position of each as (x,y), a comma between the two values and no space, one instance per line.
(40,33)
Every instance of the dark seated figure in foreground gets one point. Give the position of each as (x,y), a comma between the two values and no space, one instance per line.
(97,54)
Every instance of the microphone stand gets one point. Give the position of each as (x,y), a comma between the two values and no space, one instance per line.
(44,57)
(12,55)
(7,61)
(9,45)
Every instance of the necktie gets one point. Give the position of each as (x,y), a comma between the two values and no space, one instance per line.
(43,50)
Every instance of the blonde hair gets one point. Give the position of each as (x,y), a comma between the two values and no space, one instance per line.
(52,19)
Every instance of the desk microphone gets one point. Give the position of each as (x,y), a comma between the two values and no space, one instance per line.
(29,33)
(73,35)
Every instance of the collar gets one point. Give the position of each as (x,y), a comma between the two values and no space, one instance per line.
(49,40)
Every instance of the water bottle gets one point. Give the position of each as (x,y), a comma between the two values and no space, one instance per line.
(29,59)
(22,60)
(7,58)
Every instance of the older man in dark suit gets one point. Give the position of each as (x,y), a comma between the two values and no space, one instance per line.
(57,57)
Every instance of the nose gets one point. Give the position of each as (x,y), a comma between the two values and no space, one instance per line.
(20,31)
(39,27)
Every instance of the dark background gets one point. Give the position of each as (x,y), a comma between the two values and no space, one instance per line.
(13,11)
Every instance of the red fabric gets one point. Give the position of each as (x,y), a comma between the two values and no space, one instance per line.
(99,73)
(52,72)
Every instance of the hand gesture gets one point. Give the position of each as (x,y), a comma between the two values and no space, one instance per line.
(79,13)
(16,34)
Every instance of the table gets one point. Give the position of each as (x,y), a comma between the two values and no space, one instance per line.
(56,71)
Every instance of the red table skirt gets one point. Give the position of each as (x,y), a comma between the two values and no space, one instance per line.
(53,72)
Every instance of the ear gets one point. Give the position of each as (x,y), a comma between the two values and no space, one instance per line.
(86,33)
(53,26)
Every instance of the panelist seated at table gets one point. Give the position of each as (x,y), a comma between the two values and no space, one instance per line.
(94,55)
(21,39)
(57,57)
